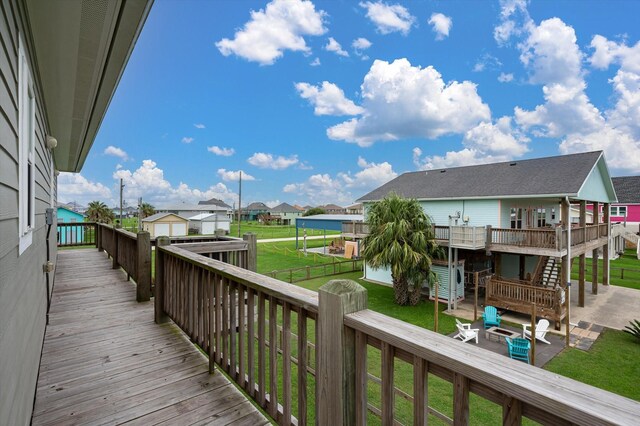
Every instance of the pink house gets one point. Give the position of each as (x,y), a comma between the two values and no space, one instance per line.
(627,209)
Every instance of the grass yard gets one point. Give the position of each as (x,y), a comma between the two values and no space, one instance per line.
(273,231)
(625,271)
(283,255)
(612,363)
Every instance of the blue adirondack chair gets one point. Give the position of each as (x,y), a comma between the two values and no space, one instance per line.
(518,348)
(491,317)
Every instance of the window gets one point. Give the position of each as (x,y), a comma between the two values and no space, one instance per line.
(619,211)
(26,150)
(516,218)
(541,217)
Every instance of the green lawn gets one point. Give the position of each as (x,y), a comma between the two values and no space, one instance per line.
(612,363)
(624,271)
(273,231)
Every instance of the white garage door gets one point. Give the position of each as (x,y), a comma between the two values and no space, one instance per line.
(162,229)
(179,229)
(208,228)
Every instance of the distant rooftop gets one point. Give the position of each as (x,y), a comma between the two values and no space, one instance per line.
(627,189)
(215,202)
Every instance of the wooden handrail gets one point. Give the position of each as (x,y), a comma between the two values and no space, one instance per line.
(248,323)
(76,234)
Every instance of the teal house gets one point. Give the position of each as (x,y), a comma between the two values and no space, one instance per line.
(69,234)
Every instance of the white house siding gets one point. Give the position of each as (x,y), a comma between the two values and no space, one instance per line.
(547,204)
(22,282)
(439,211)
(480,212)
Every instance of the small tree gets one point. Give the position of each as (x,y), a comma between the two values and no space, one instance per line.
(314,211)
(146,210)
(98,211)
(401,238)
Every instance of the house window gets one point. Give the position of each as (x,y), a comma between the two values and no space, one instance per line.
(26,150)
(516,218)
(619,211)
(541,217)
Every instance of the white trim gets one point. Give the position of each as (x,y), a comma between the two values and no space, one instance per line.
(26,150)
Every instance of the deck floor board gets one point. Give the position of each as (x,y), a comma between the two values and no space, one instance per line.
(105,361)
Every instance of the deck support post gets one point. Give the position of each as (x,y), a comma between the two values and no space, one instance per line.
(99,237)
(594,253)
(583,258)
(159,315)
(566,264)
(605,249)
(143,269)
(114,255)
(252,251)
(336,344)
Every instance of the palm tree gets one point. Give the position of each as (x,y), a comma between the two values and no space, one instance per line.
(401,238)
(99,212)
(146,210)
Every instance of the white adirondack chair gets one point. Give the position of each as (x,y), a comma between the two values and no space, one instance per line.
(541,330)
(465,332)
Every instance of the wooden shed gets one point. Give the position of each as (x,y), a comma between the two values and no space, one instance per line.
(169,224)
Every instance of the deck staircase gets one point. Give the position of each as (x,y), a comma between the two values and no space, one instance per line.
(547,273)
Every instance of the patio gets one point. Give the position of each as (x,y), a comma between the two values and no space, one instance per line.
(544,352)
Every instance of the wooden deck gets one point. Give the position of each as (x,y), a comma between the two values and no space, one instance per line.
(105,361)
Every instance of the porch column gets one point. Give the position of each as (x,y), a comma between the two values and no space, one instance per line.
(583,257)
(605,249)
(594,253)
(566,263)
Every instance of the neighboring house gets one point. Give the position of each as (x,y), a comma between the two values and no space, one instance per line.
(219,203)
(209,223)
(167,224)
(287,213)
(60,63)
(627,209)
(69,234)
(188,210)
(253,210)
(127,212)
(354,209)
(526,203)
(333,209)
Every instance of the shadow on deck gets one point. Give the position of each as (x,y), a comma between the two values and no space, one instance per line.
(104,359)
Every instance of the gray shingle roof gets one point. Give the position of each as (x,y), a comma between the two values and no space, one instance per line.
(285,208)
(627,189)
(536,177)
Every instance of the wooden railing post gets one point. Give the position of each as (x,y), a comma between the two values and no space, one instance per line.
(487,243)
(160,315)
(99,237)
(252,251)
(143,269)
(335,377)
(114,255)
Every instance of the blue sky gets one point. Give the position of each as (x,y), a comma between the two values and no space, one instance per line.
(322,101)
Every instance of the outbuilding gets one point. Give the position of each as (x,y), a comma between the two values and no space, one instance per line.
(168,224)
(209,223)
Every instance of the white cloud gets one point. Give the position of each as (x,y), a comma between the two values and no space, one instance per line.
(389,18)
(625,116)
(322,188)
(272,203)
(268,161)
(199,126)
(361,43)
(621,150)
(607,52)
(403,101)
(149,183)
(514,20)
(485,143)
(371,176)
(116,152)
(327,99)
(187,139)
(224,152)
(441,25)
(315,62)
(281,26)
(75,187)
(234,176)
(505,78)
(487,62)
(333,46)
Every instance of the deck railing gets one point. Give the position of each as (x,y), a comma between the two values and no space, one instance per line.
(293,275)
(355,228)
(260,330)
(76,234)
(535,238)
(131,252)
(520,297)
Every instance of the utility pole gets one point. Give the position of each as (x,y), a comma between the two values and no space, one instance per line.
(239,203)
(121,188)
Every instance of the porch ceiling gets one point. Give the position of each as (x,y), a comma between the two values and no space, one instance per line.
(81,49)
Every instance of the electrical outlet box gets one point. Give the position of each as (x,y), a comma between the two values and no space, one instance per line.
(48,216)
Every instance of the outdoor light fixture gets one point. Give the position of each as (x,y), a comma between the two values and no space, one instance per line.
(51,142)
